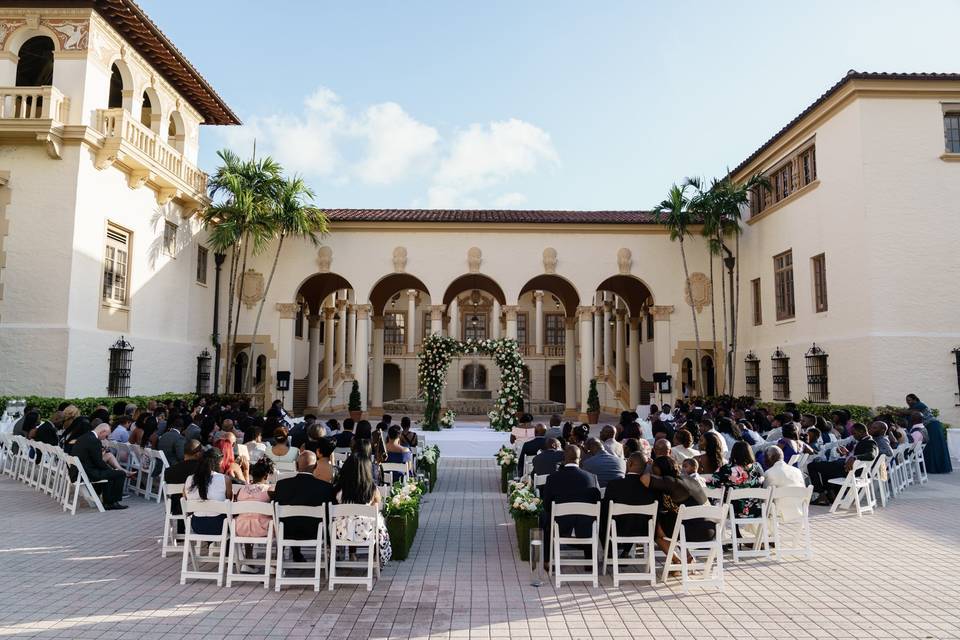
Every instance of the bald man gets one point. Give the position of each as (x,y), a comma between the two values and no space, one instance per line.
(306,490)
(569,483)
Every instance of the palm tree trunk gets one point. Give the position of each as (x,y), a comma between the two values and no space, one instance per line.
(236,320)
(693,312)
(263,301)
(713,309)
(735,301)
(234,260)
(723,306)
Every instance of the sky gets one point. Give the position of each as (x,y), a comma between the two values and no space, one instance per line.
(530,104)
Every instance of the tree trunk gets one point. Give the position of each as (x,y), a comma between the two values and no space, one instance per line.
(723,306)
(232,288)
(232,348)
(263,301)
(693,312)
(713,309)
(735,301)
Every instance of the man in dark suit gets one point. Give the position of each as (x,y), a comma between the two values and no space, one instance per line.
(532,447)
(172,442)
(179,472)
(344,439)
(89,452)
(628,490)
(303,490)
(569,483)
(548,460)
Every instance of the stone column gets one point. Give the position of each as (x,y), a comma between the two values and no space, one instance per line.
(454,327)
(621,348)
(288,313)
(586,354)
(511,321)
(495,321)
(313,363)
(570,364)
(634,348)
(376,392)
(607,333)
(328,339)
(350,316)
(538,326)
(436,319)
(341,344)
(598,361)
(661,344)
(411,327)
(361,357)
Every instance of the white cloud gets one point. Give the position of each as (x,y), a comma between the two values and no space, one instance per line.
(396,143)
(510,200)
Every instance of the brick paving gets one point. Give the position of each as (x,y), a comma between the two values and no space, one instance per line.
(894,574)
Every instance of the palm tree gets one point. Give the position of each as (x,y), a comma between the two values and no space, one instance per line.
(702,207)
(674,213)
(238,222)
(290,217)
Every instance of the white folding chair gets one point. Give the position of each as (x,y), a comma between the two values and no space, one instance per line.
(169,543)
(7,457)
(539,480)
(527,464)
(235,559)
(879,476)
(750,530)
(557,561)
(856,488)
(644,544)
(711,567)
(919,464)
(318,544)
(81,483)
(339,541)
(715,494)
(192,555)
(340,455)
(158,465)
(393,472)
(786,502)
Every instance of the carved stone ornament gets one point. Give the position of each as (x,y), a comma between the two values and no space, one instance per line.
(7,27)
(474,258)
(287,310)
(549,260)
(661,312)
(400,259)
(324,258)
(624,260)
(700,290)
(252,282)
(72,34)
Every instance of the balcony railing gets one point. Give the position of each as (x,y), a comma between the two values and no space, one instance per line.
(119,125)
(394,349)
(33,103)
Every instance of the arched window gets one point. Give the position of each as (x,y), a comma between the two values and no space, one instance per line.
(115,100)
(261,370)
(474,377)
(709,377)
(35,64)
(239,372)
(150,110)
(176,131)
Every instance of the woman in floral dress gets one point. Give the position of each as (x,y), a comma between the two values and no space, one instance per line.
(742,472)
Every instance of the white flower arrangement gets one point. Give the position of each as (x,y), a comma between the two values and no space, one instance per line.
(430,454)
(506,457)
(448,419)
(524,501)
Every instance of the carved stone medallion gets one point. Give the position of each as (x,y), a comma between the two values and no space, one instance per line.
(252,282)
(624,261)
(549,260)
(474,258)
(324,258)
(700,290)
(400,259)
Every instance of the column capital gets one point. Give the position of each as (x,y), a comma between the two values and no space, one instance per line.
(621,313)
(378,322)
(313,321)
(634,322)
(511,310)
(412,293)
(287,310)
(538,295)
(362,311)
(341,304)
(569,323)
(661,312)
(328,313)
(436,311)
(585,310)
(608,306)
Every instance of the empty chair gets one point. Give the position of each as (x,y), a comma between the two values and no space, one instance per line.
(711,567)
(171,521)
(879,475)
(557,561)
(919,464)
(77,482)
(856,488)
(193,559)
(644,544)
(317,543)
(790,511)
(747,510)
(235,560)
(354,527)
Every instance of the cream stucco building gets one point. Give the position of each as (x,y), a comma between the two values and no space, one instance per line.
(847,271)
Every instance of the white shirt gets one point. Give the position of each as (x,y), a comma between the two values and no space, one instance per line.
(613,447)
(724,449)
(681,453)
(780,474)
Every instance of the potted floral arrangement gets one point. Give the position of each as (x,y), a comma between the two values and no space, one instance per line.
(593,403)
(353,404)
(525,507)
(448,418)
(402,511)
(427,462)
(507,459)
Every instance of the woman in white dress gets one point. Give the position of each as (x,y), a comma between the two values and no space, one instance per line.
(207,483)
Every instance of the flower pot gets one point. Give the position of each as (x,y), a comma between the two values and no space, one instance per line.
(356,415)
(401,533)
(593,417)
(524,524)
(506,475)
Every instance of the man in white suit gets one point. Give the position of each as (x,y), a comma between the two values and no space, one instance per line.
(780,474)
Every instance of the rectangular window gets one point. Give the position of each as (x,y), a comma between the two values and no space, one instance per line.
(757,305)
(394,327)
(951,131)
(202,265)
(817,389)
(782,182)
(783,285)
(649,323)
(298,322)
(808,166)
(425,326)
(475,326)
(522,329)
(781,376)
(956,364)
(169,238)
(555,334)
(751,368)
(116,265)
(819,269)
(797,171)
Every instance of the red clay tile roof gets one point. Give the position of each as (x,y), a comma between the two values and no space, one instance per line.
(849,77)
(502,216)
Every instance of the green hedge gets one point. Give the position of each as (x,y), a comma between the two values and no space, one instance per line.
(47,405)
(858,412)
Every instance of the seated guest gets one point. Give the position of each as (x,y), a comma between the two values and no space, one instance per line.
(711,459)
(333,425)
(682,446)
(522,432)
(298,432)
(316,433)
(554,431)
(46,432)
(255,525)
(690,468)
(87,448)
(742,472)
(675,489)
(408,437)
(228,463)
(728,430)
(706,426)
(207,483)
(603,464)
(790,442)
(256,447)
(878,431)
(363,430)
(569,483)
(579,436)
(102,431)
(630,428)
(356,485)
(121,432)
(820,473)
(325,470)
(396,452)
(344,439)
(281,451)
(778,475)
(548,460)
(532,447)
(302,490)
(172,441)
(662,429)
(776,426)
(748,433)
(608,436)
(628,490)
(661,448)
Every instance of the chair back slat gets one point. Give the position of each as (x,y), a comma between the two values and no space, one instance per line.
(576,509)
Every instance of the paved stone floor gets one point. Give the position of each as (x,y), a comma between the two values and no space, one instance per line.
(895,574)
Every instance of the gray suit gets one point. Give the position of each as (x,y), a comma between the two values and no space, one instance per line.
(605,466)
(171,444)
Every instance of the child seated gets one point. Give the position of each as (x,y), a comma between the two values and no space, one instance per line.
(691,467)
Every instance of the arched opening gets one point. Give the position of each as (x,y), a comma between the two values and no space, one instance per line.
(564,292)
(709,375)
(176,131)
(686,377)
(315,289)
(150,110)
(115,97)
(384,291)
(391,381)
(556,385)
(35,64)
(475,281)
(239,371)
(474,377)
(260,371)
(632,290)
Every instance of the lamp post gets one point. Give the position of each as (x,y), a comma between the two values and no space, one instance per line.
(730,262)
(218,259)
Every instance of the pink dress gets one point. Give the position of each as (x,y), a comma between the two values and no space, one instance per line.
(252,525)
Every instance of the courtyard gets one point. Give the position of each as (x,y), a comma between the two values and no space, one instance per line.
(892,574)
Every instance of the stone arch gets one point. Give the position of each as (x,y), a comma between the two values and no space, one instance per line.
(176,132)
(390,284)
(17,39)
(470,281)
(35,61)
(240,363)
(151,109)
(634,291)
(558,286)
(314,289)
(120,94)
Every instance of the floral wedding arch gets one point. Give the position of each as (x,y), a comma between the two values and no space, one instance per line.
(432,367)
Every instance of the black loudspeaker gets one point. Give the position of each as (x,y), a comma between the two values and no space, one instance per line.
(283,380)
(660,376)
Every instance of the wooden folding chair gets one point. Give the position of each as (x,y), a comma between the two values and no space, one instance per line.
(742,526)
(711,567)
(644,544)
(192,557)
(235,560)
(791,498)
(856,488)
(318,544)
(372,564)
(557,562)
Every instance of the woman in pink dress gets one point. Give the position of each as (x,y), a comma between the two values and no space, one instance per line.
(255,525)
